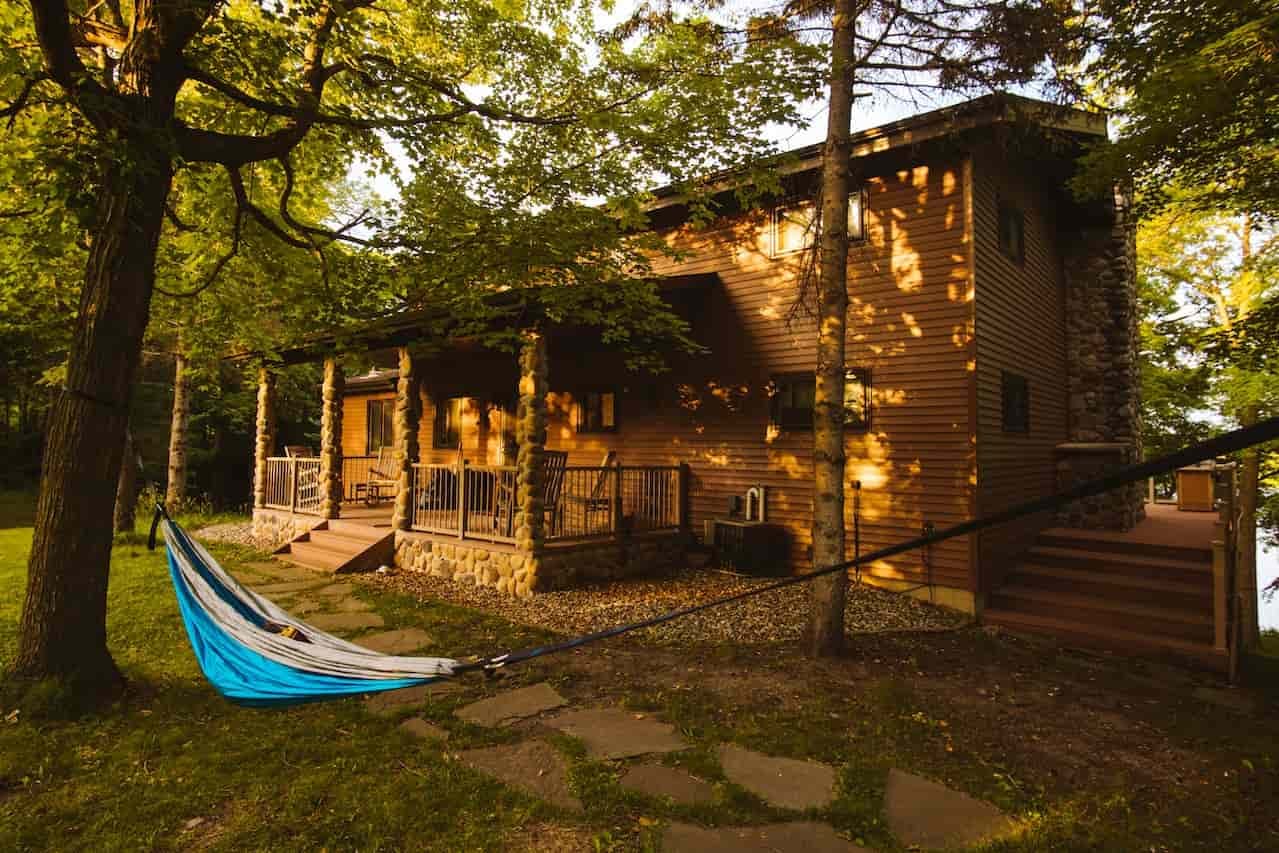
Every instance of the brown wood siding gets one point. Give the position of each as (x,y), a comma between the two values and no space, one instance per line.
(910,323)
(1020,319)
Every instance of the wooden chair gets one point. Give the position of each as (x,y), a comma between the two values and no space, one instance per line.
(599,499)
(382,475)
(553,464)
(298,451)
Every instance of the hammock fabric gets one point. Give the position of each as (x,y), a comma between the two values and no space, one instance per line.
(256,654)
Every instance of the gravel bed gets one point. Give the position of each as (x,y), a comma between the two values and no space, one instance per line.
(233,533)
(773,617)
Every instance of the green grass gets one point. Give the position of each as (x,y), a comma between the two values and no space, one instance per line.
(173,766)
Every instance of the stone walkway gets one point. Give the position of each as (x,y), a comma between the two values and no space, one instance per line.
(921,813)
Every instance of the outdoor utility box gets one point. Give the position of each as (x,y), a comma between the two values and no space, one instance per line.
(1196,488)
(750,547)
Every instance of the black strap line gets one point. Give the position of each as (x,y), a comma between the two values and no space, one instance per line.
(85,395)
(155,523)
(1222,445)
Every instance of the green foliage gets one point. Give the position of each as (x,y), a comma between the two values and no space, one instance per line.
(1194,86)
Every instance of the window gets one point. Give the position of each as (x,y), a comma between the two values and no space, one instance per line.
(795,397)
(596,411)
(794,228)
(1012,232)
(446,432)
(379,425)
(856,398)
(1016,403)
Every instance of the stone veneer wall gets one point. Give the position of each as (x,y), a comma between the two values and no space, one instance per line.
(511,571)
(1103,381)
(273,528)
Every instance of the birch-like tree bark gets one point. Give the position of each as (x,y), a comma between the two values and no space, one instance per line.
(175,492)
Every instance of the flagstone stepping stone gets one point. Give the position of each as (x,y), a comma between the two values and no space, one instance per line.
(337,590)
(423,730)
(289,586)
(390,702)
(398,642)
(534,766)
(512,705)
(797,837)
(783,782)
(347,621)
(615,733)
(927,814)
(352,605)
(283,571)
(659,781)
(304,606)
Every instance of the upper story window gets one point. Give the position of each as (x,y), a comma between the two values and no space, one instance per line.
(379,425)
(1012,232)
(446,431)
(795,397)
(794,225)
(1015,402)
(595,411)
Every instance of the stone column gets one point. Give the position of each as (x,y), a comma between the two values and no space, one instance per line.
(331,440)
(264,445)
(530,434)
(408,415)
(1102,317)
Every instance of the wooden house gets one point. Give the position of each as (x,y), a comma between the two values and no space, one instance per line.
(991,358)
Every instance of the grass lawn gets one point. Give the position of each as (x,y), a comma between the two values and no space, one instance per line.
(1091,754)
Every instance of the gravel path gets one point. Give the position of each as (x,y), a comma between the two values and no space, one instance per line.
(233,533)
(774,617)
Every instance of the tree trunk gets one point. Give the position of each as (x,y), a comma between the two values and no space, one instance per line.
(126,492)
(826,621)
(176,491)
(1246,539)
(63,629)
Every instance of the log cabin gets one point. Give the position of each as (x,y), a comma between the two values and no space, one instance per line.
(991,359)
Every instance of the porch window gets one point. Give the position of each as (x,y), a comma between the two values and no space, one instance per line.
(1016,402)
(596,411)
(795,397)
(446,431)
(795,227)
(380,429)
(1012,232)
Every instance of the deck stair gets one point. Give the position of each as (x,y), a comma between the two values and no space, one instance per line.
(1095,589)
(338,545)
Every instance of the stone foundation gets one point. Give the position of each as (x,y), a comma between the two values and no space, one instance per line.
(273,528)
(509,570)
(1118,509)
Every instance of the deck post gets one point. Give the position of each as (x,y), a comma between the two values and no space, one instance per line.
(615,503)
(461,499)
(408,414)
(682,497)
(331,440)
(530,434)
(264,441)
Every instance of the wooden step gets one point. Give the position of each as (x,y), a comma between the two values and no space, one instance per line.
(1122,587)
(337,547)
(1110,562)
(340,541)
(357,529)
(1118,543)
(315,556)
(1105,637)
(1192,625)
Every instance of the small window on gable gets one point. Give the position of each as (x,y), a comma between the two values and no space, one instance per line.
(379,427)
(1016,402)
(794,395)
(1012,232)
(795,228)
(596,411)
(446,431)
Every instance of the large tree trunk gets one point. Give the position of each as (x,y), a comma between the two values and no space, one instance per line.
(176,491)
(1246,539)
(826,622)
(126,492)
(63,630)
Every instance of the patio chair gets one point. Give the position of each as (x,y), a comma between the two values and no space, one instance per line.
(382,475)
(598,500)
(553,464)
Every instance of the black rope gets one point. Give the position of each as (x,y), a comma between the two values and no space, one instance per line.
(1222,445)
(101,401)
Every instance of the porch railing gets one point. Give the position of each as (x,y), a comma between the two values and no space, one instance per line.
(478,501)
(293,484)
(467,501)
(355,471)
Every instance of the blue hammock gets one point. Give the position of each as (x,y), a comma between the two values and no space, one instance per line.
(255,654)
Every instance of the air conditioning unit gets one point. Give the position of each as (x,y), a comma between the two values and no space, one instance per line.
(749,547)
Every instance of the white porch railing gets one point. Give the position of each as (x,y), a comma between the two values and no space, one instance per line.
(293,484)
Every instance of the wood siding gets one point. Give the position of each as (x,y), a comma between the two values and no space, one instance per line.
(910,323)
(1020,315)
